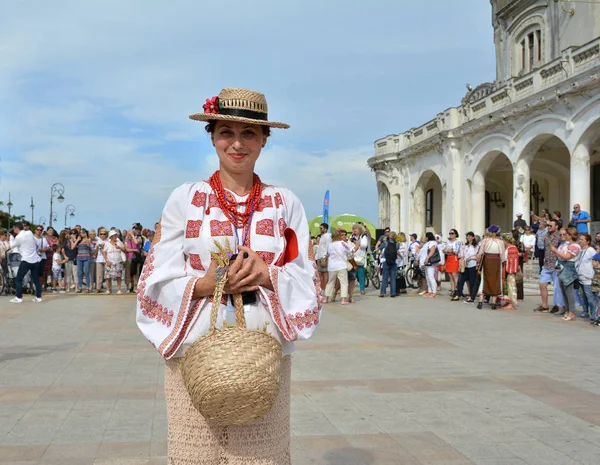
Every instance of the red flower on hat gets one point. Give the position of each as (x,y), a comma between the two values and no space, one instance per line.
(211,105)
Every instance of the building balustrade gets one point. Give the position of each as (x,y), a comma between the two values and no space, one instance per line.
(489,98)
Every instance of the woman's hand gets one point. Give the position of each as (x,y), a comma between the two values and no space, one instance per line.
(247,274)
(108,263)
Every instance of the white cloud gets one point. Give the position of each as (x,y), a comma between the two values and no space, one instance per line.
(96,94)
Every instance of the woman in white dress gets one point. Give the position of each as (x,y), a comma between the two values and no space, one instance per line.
(431,264)
(529,240)
(275,270)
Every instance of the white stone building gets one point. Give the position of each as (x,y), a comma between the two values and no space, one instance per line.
(527,141)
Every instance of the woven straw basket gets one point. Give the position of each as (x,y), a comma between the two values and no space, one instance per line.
(232,373)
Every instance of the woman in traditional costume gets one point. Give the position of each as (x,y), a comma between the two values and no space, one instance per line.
(275,271)
(508,299)
(518,275)
(491,255)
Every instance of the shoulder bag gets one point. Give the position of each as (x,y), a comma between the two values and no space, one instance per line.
(435,258)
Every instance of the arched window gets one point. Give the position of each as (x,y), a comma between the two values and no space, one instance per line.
(529,50)
(429,208)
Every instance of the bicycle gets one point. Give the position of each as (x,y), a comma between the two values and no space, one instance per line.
(371,273)
(3,282)
(413,274)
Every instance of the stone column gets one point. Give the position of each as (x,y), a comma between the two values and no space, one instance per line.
(454,212)
(395,213)
(468,207)
(418,215)
(405,215)
(521,196)
(580,178)
(380,199)
(478,203)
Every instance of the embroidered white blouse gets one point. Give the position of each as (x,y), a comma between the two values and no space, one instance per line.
(180,255)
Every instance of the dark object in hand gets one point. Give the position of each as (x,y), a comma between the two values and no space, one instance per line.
(248,298)
(234,256)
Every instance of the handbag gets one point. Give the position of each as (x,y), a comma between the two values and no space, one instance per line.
(323,262)
(360,260)
(435,258)
(462,265)
(353,265)
(232,373)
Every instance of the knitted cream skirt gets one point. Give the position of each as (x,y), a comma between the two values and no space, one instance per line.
(194,441)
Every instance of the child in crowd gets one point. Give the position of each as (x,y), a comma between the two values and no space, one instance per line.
(596,285)
(57,262)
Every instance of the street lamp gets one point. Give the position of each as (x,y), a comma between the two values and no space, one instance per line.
(69,210)
(32,206)
(57,190)
(42,221)
(9,205)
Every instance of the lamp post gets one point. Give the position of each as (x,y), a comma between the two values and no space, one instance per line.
(42,221)
(54,217)
(69,210)
(32,206)
(9,205)
(57,190)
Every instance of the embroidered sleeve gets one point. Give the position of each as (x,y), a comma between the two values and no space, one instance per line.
(295,304)
(165,310)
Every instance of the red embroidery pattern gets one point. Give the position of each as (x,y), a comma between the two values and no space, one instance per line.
(220,228)
(282,226)
(146,272)
(266,257)
(278,200)
(151,308)
(265,227)
(196,262)
(212,201)
(308,319)
(288,332)
(192,230)
(199,199)
(156,311)
(229,197)
(265,202)
(184,317)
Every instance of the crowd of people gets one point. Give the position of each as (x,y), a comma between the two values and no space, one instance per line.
(488,269)
(75,260)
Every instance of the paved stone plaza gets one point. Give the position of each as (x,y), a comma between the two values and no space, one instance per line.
(384,381)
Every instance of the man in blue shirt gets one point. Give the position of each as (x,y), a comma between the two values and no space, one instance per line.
(580,219)
(148,243)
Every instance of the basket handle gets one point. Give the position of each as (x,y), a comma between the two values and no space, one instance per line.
(240,319)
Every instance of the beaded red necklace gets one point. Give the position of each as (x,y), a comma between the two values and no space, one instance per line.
(239,219)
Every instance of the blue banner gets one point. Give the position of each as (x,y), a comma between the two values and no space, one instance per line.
(326,208)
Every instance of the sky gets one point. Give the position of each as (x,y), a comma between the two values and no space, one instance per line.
(96,95)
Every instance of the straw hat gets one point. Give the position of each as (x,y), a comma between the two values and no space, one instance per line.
(246,106)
